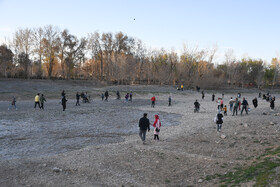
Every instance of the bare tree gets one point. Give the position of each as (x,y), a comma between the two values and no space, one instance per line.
(51,47)
(107,48)
(37,38)
(140,54)
(23,42)
(94,46)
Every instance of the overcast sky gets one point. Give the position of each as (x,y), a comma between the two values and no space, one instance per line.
(249,27)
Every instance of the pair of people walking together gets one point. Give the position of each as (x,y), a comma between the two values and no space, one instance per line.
(144,125)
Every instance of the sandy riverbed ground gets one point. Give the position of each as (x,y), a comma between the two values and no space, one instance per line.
(97,144)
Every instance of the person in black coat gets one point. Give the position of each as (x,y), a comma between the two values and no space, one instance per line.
(196,106)
(78,99)
(118,95)
(106,95)
(255,102)
(219,120)
(213,97)
(63,102)
(272,103)
(245,105)
(144,125)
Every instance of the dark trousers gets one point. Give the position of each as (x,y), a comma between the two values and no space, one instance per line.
(244,108)
(234,110)
(77,103)
(153,104)
(156,137)
(142,134)
(37,103)
(42,106)
(64,106)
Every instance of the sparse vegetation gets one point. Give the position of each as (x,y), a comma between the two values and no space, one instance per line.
(262,172)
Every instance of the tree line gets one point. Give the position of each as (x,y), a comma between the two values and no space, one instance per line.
(48,52)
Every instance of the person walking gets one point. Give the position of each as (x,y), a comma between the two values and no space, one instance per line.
(78,99)
(102,96)
(219,104)
(245,106)
(153,99)
(63,102)
(222,105)
(156,125)
(126,97)
(13,104)
(231,102)
(106,95)
(130,97)
(196,106)
(118,95)
(255,102)
(219,120)
(37,100)
(236,105)
(169,101)
(144,125)
(42,100)
(213,97)
(202,94)
(272,105)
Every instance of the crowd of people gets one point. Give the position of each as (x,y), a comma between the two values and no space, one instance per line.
(235,105)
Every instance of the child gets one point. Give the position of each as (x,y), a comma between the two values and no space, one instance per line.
(102,96)
(156,126)
(126,97)
(153,99)
(42,100)
(13,103)
(219,120)
(225,110)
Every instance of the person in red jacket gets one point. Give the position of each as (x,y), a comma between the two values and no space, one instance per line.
(153,99)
